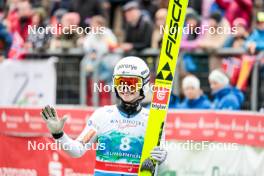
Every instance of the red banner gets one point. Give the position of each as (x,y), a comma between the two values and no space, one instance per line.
(24,150)
(220,126)
(32,156)
(28,122)
(246,128)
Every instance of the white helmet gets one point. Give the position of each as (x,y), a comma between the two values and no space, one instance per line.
(133,66)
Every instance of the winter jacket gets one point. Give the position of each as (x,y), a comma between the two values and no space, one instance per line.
(139,35)
(237,8)
(174,101)
(228,98)
(200,103)
(5,40)
(257,36)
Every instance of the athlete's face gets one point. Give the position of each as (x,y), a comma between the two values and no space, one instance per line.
(128,87)
(128,96)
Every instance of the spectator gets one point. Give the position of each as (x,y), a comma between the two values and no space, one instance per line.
(174,101)
(97,46)
(149,7)
(160,20)
(37,40)
(20,18)
(232,64)
(98,60)
(255,41)
(207,41)
(194,98)
(114,9)
(61,4)
(190,40)
(55,20)
(192,22)
(237,8)
(100,39)
(12,16)
(68,38)
(207,8)
(212,39)
(138,28)
(87,9)
(224,95)
(196,5)
(5,41)
(237,40)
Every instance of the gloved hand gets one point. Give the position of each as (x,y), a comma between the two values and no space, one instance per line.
(54,124)
(158,154)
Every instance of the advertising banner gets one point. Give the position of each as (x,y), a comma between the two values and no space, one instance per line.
(27,82)
(199,143)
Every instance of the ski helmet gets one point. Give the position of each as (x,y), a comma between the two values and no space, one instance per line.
(133,66)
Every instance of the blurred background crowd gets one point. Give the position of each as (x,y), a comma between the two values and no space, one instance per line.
(222,61)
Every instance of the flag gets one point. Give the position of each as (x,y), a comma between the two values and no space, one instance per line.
(231,67)
(17,50)
(246,67)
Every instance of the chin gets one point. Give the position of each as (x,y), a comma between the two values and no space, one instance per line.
(127,100)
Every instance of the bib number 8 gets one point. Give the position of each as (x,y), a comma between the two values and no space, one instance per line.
(125,141)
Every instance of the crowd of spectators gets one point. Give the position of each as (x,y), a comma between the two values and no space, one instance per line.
(139,21)
(134,25)
(224,96)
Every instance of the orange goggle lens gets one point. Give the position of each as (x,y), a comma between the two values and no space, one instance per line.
(131,83)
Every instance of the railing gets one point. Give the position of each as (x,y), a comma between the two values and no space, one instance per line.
(71,74)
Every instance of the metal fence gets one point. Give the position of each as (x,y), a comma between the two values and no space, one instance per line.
(68,73)
(72,85)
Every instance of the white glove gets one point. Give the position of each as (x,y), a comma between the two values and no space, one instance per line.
(54,124)
(158,154)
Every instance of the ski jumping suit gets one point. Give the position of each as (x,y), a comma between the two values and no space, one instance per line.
(119,139)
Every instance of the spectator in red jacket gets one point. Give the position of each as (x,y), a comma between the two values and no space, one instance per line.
(237,8)
(20,18)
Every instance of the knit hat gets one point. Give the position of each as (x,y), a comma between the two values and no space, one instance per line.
(260,17)
(240,21)
(219,77)
(131,5)
(191,81)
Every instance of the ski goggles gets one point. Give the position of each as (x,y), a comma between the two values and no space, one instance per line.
(130,83)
